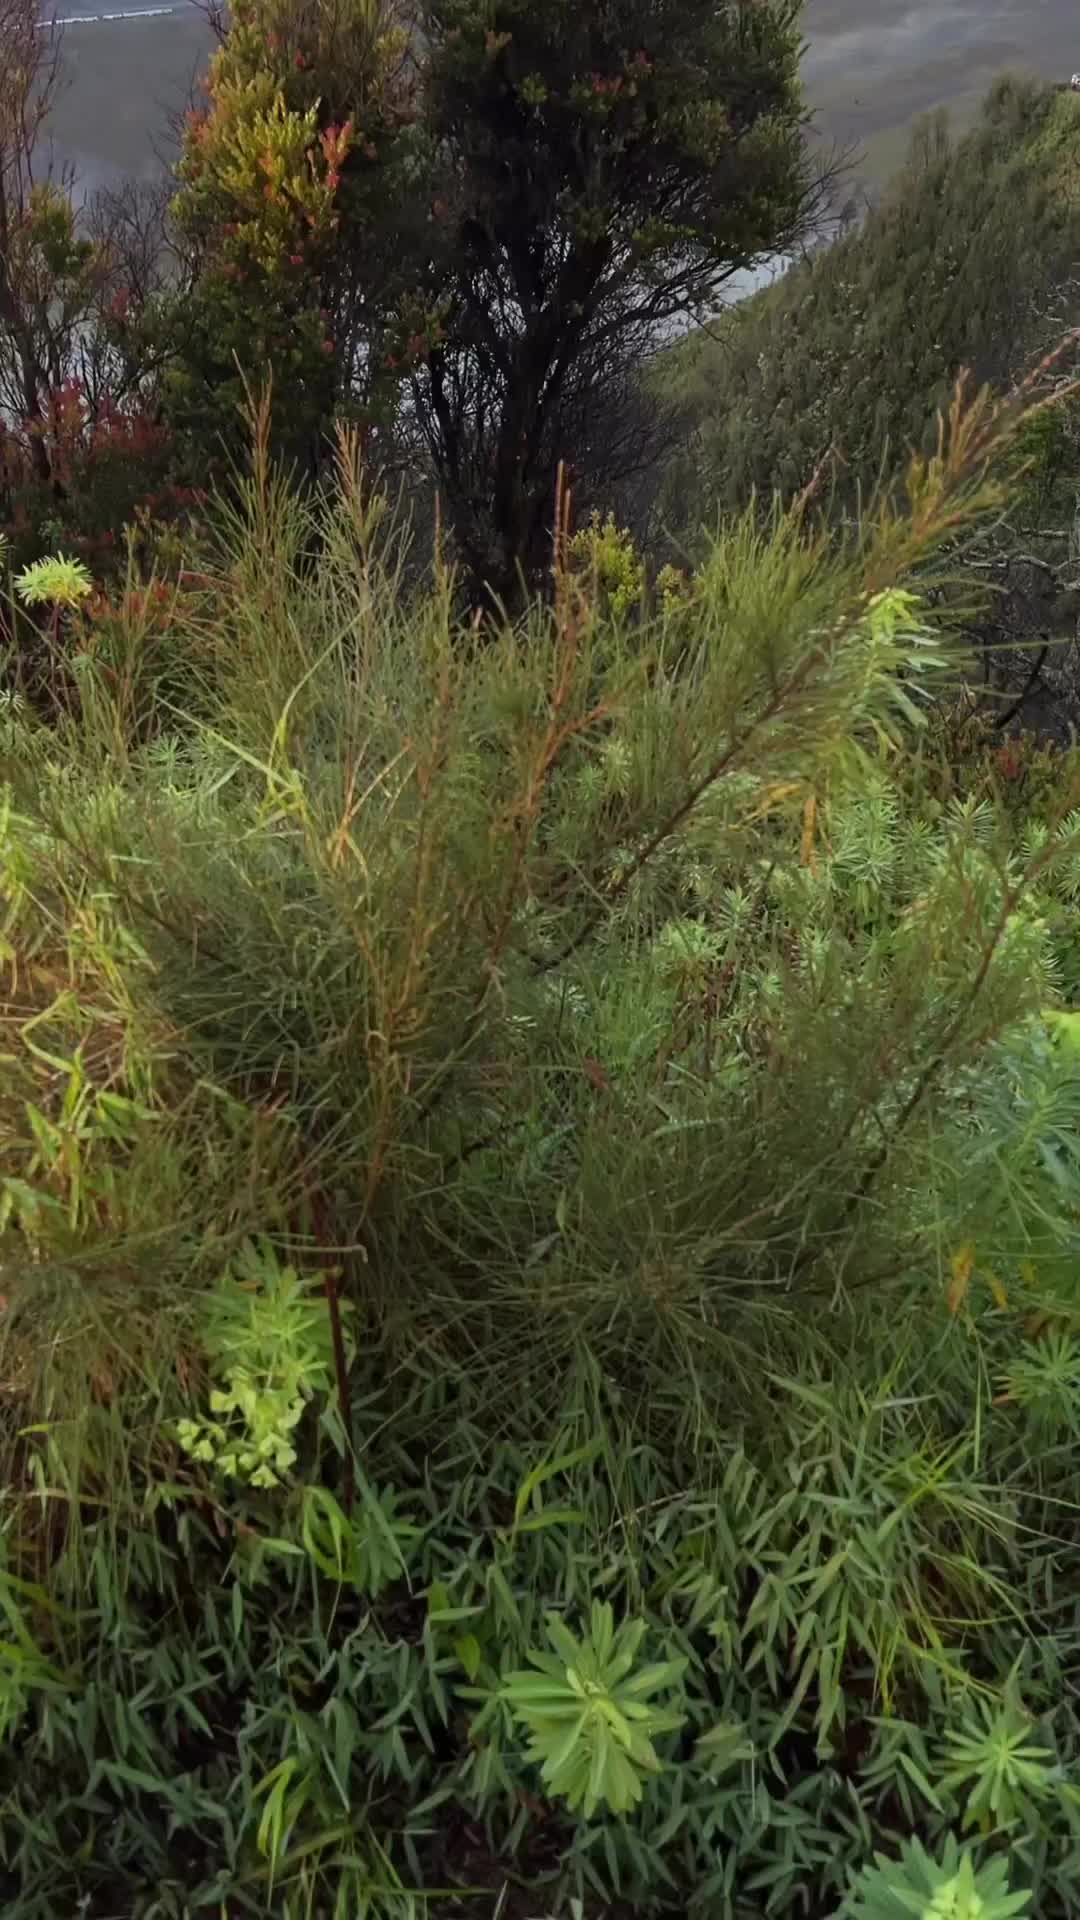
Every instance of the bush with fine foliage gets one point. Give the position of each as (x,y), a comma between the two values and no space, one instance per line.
(538,1202)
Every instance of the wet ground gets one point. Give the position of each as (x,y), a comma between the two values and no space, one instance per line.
(871,67)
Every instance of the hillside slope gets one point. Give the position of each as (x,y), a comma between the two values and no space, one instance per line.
(967,261)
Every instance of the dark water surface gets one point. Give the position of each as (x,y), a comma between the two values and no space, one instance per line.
(125,80)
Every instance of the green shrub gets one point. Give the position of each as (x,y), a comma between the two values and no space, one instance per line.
(840,368)
(665,1496)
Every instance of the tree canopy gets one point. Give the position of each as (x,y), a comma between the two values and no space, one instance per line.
(469,229)
(287,172)
(603,169)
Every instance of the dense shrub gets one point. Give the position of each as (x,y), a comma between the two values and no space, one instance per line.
(107,467)
(828,380)
(538,1198)
(967,262)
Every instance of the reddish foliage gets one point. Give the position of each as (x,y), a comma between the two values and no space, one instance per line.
(88,469)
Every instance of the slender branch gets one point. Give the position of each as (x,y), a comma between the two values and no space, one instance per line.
(675,819)
(320,1220)
(1003,719)
(953,1029)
